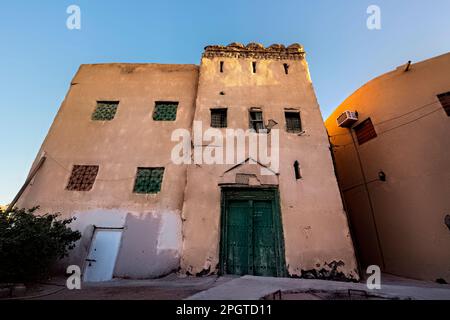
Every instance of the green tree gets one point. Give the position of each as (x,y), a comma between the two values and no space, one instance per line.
(31,244)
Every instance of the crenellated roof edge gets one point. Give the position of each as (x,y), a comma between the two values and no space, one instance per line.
(256,51)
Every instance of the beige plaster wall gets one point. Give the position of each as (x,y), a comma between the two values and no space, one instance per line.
(183,220)
(314,222)
(119,147)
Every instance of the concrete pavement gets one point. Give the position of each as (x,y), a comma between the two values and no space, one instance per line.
(175,287)
(255,288)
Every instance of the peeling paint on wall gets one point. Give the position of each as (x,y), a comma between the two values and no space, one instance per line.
(328,271)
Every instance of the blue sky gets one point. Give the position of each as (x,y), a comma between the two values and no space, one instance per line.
(39,55)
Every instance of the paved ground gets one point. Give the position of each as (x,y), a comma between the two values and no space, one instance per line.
(251,288)
(168,288)
(235,288)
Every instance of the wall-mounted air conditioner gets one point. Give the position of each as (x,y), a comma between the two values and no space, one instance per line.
(347,119)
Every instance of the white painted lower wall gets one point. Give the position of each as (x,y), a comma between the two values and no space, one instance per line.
(150,246)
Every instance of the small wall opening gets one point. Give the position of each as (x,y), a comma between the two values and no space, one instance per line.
(286,68)
(293,122)
(254,66)
(298,174)
(219,118)
(221,66)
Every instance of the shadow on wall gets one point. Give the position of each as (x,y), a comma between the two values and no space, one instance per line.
(150,245)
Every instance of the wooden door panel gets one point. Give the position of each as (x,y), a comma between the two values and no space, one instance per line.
(252,238)
(239,228)
(264,261)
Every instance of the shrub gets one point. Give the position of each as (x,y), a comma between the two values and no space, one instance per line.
(30,244)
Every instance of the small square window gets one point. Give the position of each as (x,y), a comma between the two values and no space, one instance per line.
(82,178)
(218,118)
(165,111)
(365,131)
(293,122)
(256,121)
(105,111)
(148,180)
(445,102)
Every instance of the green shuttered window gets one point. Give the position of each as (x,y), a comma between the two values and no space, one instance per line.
(165,111)
(105,111)
(148,180)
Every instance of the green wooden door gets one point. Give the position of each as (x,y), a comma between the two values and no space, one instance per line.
(264,240)
(252,241)
(239,237)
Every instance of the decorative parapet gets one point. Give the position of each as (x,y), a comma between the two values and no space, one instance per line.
(256,51)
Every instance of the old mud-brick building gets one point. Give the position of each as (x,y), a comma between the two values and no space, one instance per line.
(107,160)
(391,143)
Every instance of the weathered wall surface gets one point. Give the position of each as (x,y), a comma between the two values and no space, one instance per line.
(152,223)
(413,149)
(183,220)
(314,222)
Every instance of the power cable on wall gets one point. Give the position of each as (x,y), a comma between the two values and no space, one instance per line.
(365,182)
(102,180)
(405,114)
(112,180)
(388,130)
(369,198)
(397,117)
(333,145)
(409,122)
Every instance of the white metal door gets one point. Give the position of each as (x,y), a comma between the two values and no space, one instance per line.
(102,256)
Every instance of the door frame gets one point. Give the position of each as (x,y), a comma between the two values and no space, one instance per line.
(253,193)
(88,252)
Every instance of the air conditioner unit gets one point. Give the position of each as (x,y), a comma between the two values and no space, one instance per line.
(347,119)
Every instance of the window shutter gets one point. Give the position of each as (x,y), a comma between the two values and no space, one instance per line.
(82,178)
(445,102)
(365,131)
(165,111)
(219,118)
